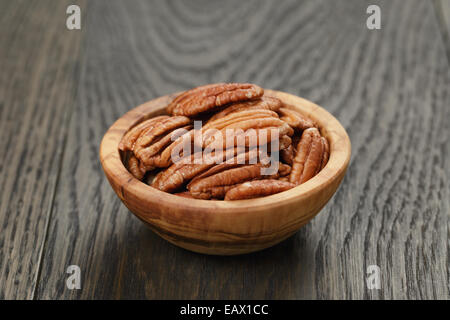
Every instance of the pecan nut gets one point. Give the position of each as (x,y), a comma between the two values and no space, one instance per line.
(267,103)
(133,165)
(178,174)
(158,130)
(284,169)
(209,97)
(250,138)
(154,144)
(216,181)
(310,156)
(238,117)
(175,177)
(217,184)
(163,158)
(326,152)
(295,119)
(129,139)
(242,126)
(149,144)
(287,154)
(257,188)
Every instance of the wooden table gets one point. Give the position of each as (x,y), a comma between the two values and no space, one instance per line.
(61,89)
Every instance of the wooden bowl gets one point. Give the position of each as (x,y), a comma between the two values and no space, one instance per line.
(227,227)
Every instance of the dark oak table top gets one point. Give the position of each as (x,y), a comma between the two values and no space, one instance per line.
(61,89)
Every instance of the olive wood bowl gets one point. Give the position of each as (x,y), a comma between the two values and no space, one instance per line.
(227,227)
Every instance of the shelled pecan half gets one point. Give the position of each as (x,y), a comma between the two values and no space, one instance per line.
(257,188)
(326,153)
(209,97)
(178,174)
(154,144)
(134,167)
(129,139)
(245,124)
(311,156)
(295,119)
(216,181)
(174,177)
(284,169)
(163,158)
(146,142)
(250,138)
(216,185)
(239,117)
(267,103)
(287,154)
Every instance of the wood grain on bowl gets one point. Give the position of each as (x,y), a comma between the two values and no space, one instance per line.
(227,227)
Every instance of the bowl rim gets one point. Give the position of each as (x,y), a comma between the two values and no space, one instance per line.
(330,127)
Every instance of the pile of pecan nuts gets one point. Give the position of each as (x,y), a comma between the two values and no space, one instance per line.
(147,149)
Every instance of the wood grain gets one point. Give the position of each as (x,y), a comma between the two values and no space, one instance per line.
(37,88)
(389,88)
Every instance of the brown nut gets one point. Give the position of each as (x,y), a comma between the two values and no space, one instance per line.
(178,174)
(154,145)
(295,119)
(135,168)
(238,117)
(257,188)
(308,159)
(250,138)
(216,185)
(129,139)
(326,152)
(244,124)
(287,154)
(243,120)
(267,103)
(284,169)
(158,130)
(209,97)
(174,177)
(163,157)
(216,181)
